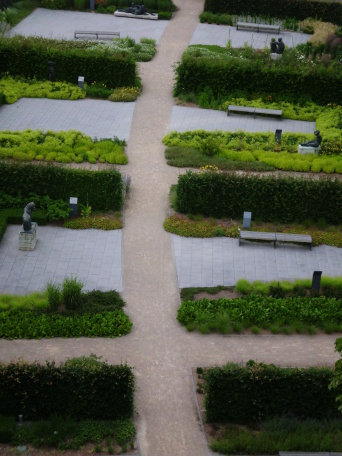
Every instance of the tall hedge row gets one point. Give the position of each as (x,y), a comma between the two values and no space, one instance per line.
(258,391)
(269,199)
(102,190)
(299,9)
(29,59)
(38,391)
(323,85)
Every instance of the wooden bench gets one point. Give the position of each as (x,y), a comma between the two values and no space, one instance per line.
(275,237)
(254,111)
(295,238)
(257,27)
(97,34)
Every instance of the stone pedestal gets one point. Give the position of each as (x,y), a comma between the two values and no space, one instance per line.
(28,239)
(307,150)
(275,56)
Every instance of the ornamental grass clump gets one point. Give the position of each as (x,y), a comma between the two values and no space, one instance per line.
(72,293)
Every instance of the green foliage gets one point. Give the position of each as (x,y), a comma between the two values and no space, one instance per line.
(7,427)
(124,94)
(102,392)
(32,301)
(257,392)
(262,311)
(53,292)
(197,228)
(286,433)
(255,73)
(63,146)
(269,198)
(98,223)
(27,57)
(13,89)
(33,325)
(68,434)
(326,11)
(71,293)
(101,189)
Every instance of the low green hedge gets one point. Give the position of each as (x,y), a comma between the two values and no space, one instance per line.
(263,312)
(62,147)
(250,394)
(299,9)
(80,390)
(102,190)
(269,198)
(28,57)
(36,325)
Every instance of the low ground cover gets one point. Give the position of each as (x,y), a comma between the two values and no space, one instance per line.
(199,226)
(279,307)
(58,433)
(61,147)
(63,311)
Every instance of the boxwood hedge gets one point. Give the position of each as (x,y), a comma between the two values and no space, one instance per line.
(102,190)
(80,391)
(283,199)
(257,391)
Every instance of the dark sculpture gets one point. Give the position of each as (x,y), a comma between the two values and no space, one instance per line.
(27,223)
(277,47)
(280,46)
(315,143)
(137,10)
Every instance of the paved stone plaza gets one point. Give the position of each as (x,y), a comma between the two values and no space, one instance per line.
(220,34)
(93,256)
(62,25)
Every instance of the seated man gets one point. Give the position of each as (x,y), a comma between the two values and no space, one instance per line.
(314,143)
(280,46)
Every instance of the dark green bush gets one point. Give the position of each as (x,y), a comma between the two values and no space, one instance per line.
(29,58)
(102,190)
(268,198)
(299,9)
(78,390)
(224,76)
(258,391)
(7,428)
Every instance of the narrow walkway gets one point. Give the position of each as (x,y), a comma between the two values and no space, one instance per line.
(161,351)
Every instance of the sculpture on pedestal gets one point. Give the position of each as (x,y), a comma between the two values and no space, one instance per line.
(27,222)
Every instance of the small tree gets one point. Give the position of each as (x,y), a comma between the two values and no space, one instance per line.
(336,382)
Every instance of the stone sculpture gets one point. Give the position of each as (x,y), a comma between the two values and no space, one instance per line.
(27,222)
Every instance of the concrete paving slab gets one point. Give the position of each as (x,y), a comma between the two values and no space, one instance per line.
(95,118)
(184,119)
(22,272)
(220,34)
(220,261)
(62,25)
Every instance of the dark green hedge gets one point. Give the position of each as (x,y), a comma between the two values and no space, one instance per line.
(258,391)
(268,198)
(323,85)
(38,391)
(299,9)
(29,59)
(102,190)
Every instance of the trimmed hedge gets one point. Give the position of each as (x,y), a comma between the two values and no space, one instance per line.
(247,394)
(29,58)
(37,391)
(102,190)
(299,9)
(223,76)
(268,198)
